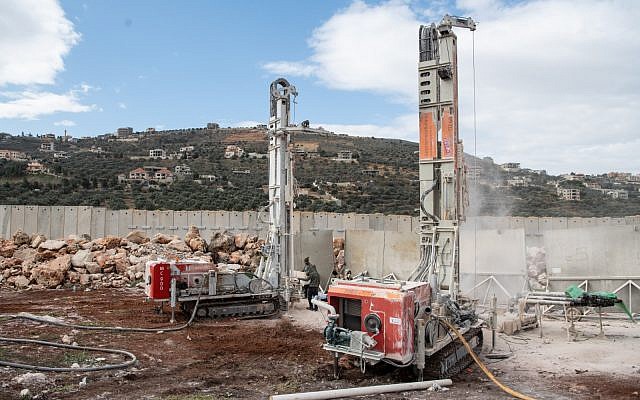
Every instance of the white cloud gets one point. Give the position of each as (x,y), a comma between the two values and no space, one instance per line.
(290,68)
(36,36)
(65,122)
(122,106)
(557,84)
(402,127)
(32,104)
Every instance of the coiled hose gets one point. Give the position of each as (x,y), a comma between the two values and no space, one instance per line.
(49,321)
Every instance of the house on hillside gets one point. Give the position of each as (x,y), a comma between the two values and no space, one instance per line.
(345,156)
(36,167)
(182,171)
(233,151)
(148,174)
(48,147)
(13,155)
(157,154)
(511,167)
(569,194)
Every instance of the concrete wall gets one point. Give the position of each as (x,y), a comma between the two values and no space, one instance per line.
(605,251)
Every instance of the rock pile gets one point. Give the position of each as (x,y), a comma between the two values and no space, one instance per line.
(537,268)
(37,262)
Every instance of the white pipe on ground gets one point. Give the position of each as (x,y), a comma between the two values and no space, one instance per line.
(325,305)
(361,391)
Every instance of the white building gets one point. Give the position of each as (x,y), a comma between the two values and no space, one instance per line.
(61,155)
(511,166)
(157,154)
(569,193)
(48,146)
(233,151)
(13,155)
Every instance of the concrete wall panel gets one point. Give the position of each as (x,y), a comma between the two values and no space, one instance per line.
(391,223)
(400,253)
(31,219)
(5,222)
(307,222)
(84,220)
(349,221)
(222,220)
(404,223)
(111,225)
(44,221)
(362,222)
(194,218)
(98,222)
(166,223)
(593,251)
(335,221)
(70,221)
(181,222)
(364,251)
(17,219)
(57,222)
(125,222)
(321,221)
(318,246)
(516,222)
(236,221)
(139,219)
(531,226)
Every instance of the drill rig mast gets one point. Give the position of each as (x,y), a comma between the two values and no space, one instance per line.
(442,181)
(277,264)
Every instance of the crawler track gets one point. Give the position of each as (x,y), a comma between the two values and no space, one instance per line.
(453,358)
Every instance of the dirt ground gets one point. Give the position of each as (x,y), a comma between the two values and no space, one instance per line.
(252,359)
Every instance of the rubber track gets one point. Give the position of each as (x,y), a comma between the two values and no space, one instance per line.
(188,308)
(433,366)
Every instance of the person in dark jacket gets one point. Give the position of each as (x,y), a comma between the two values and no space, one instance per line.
(314,282)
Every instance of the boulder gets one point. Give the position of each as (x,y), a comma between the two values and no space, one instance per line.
(53,245)
(234,258)
(26,254)
(109,242)
(222,241)
(51,274)
(192,233)
(137,237)
(179,245)
(338,243)
(7,248)
(20,238)
(93,267)
(161,238)
(85,279)
(197,244)
(37,240)
(240,240)
(81,258)
(42,256)
(19,281)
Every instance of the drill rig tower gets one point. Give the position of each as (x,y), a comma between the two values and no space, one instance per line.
(442,190)
(278,262)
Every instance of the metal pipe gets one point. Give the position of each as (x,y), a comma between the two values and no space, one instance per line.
(549,302)
(325,305)
(550,294)
(361,391)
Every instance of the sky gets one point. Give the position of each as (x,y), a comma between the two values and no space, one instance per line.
(557,82)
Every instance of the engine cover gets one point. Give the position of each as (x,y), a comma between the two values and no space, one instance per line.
(385,310)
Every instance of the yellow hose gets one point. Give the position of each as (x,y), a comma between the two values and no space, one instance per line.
(484,369)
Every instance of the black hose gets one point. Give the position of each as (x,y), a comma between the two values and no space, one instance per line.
(125,364)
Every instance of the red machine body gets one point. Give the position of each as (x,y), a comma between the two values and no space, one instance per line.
(394,303)
(158,280)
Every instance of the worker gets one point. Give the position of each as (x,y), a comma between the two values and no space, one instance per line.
(305,286)
(313,283)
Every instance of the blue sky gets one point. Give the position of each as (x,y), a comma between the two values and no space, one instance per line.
(557,85)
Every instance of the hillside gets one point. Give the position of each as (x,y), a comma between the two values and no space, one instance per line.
(380,176)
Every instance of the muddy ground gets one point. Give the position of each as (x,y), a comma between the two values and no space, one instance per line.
(248,359)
